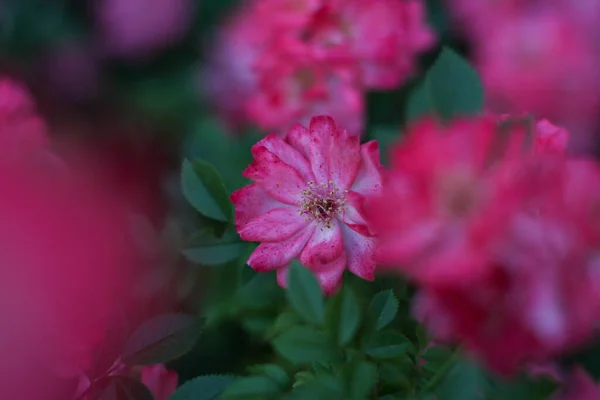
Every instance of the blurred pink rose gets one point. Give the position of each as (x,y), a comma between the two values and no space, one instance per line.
(138,28)
(541,63)
(277,63)
(538,56)
(475,17)
(66,254)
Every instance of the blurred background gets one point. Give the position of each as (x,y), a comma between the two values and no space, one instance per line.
(149,82)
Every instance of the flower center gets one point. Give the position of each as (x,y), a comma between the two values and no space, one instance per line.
(322,203)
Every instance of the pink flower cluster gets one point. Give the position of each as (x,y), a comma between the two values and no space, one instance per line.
(67,256)
(307,202)
(277,62)
(538,56)
(500,231)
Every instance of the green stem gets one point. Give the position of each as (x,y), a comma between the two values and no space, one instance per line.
(441,373)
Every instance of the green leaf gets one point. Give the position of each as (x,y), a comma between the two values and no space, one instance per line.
(418,103)
(421,335)
(210,140)
(524,388)
(207,387)
(211,251)
(261,292)
(386,137)
(453,86)
(303,377)
(349,317)
(273,371)
(465,381)
(388,345)
(204,189)
(303,345)
(284,322)
(323,388)
(435,357)
(361,380)
(252,387)
(383,309)
(161,339)
(305,295)
(123,388)
(396,375)
(322,368)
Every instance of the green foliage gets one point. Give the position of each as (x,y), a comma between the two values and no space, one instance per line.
(451,88)
(204,189)
(419,102)
(210,251)
(523,388)
(435,357)
(274,372)
(322,388)
(386,137)
(161,339)
(454,87)
(361,379)
(304,344)
(349,317)
(383,309)
(388,345)
(207,387)
(305,295)
(252,387)
(209,140)
(464,381)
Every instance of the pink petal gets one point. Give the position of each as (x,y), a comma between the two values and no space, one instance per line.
(299,137)
(324,246)
(352,213)
(407,246)
(272,255)
(344,160)
(368,180)
(280,180)
(161,382)
(322,133)
(282,276)
(274,226)
(252,201)
(289,155)
(330,275)
(359,250)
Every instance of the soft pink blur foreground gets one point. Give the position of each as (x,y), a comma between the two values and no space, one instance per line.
(65,256)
